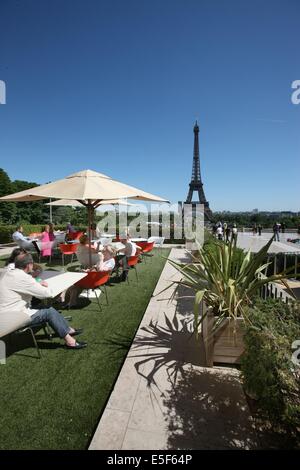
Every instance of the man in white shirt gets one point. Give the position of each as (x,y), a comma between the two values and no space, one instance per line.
(234,232)
(219,233)
(131,249)
(23,241)
(17,288)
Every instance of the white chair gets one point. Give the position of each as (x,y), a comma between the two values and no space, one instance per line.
(19,322)
(30,246)
(158,241)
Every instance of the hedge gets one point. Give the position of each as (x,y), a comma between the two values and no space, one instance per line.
(268,371)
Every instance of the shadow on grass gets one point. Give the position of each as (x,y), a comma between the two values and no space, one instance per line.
(116,345)
(17,344)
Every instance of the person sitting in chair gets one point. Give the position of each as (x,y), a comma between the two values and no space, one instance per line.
(17,288)
(24,242)
(83,251)
(107,259)
(106,263)
(130,249)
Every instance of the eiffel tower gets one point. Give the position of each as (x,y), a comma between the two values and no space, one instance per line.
(196,182)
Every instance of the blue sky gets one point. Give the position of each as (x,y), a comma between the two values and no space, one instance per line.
(115,86)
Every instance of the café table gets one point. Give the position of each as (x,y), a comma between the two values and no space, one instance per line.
(60,281)
(107,235)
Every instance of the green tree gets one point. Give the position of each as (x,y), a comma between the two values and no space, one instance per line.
(7,209)
(35,212)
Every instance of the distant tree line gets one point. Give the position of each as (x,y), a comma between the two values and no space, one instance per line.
(35,212)
(249,220)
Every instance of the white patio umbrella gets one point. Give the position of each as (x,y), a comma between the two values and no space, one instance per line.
(87,187)
(75,203)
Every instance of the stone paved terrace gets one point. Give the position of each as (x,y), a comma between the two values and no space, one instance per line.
(164,397)
(255,242)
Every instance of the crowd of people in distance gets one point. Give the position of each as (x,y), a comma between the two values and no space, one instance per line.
(225,232)
(277,228)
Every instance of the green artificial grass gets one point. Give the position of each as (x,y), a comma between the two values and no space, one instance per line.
(55,402)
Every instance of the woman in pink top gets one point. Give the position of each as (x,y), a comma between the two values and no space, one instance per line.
(46,242)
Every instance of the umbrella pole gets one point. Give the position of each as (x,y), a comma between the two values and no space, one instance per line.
(89,231)
(50,212)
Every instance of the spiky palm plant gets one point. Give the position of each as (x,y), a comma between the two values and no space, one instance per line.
(226,278)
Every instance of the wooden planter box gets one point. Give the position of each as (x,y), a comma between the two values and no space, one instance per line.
(225,345)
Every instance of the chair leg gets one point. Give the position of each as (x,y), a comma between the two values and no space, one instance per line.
(35,342)
(136,273)
(98,300)
(63,260)
(72,258)
(106,296)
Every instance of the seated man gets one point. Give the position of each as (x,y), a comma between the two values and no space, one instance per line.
(24,242)
(131,249)
(17,288)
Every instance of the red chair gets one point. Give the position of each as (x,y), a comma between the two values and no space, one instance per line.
(74,235)
(35,235)
(146,247)
(132,261)
(93,280)
(67,249)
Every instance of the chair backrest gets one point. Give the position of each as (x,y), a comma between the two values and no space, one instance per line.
(142,244)
(158,241)
(68,248)
(32,247)
(35,235)
(74,235)
(132,260)
(94,279)
(11,321)
(146,246)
